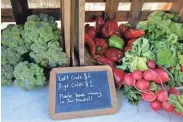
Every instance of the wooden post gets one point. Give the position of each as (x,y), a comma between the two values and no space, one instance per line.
(20,10)
(181,13)
(111,9)
(81,31)
(74,49)
(65,24)
(135,12)
(176,6)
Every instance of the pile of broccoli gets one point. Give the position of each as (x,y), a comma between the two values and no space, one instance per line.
(28,49)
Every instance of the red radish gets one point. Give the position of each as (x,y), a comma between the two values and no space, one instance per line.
(162,76)
(137,74)
(167,106)
(181,68)
(149,75)
(151,64)
(174,91)
(162,95)
(91,31)
(156,105)
(128,79)
(131,41)
(142,84)
(148,95)
(178,113)
(127,48)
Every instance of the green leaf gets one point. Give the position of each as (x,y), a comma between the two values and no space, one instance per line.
(165,57)
(142,64)
(153,87)
(174,101)
(180,99)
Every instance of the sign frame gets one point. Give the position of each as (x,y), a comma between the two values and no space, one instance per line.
(84,113)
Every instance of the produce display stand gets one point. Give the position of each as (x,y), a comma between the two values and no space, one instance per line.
(73,17)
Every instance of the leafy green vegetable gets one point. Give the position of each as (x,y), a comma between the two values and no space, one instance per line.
(132,94)
(165,34)
(12,38)
(153,87)
(137,57)
(42,31)
(176,102)
(48,55)
(29,76)
(9,58)
(165,56)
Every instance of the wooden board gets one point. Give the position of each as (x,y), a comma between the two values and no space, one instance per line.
(176,6)
(81,31)
(62,79)
(135,12)
(111,8)
(66,29)
(20,10)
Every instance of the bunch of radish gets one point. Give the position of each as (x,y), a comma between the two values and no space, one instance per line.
(142,82)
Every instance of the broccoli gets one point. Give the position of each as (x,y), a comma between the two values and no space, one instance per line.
(42,28)
(48,55)
(9,58)
(6,74)
(12,38)
(42,31)
(29,76)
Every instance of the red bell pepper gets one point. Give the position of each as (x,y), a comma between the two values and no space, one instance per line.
(86,28)
(131,41)
(99,22)
(104,61)
(123,27)
(91,31)
(101,46)
(113,54)
(132,33)
(89,41)
(127,48)
(118,76)
(109,27)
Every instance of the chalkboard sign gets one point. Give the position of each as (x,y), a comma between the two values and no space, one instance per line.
(82,91)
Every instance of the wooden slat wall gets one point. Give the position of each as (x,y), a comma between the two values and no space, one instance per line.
(133,15)
(135,12)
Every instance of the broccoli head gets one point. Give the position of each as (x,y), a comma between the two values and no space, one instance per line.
(6,74)
(9,58)
(48,55)
(12,38)
(29,76)
(42,28)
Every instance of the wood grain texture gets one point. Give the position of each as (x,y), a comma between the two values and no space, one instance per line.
(111,8)
(73,33)
(66,29)
(90,15)
(85,113)
(81,31)
(181,13)
(176,6)
(20,10)
(135,12)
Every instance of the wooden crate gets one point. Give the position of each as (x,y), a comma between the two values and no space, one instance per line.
(73,17)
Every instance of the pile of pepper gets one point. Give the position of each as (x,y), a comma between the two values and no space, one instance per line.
(107,43)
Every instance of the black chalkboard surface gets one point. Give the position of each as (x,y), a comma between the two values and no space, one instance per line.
(82,91)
